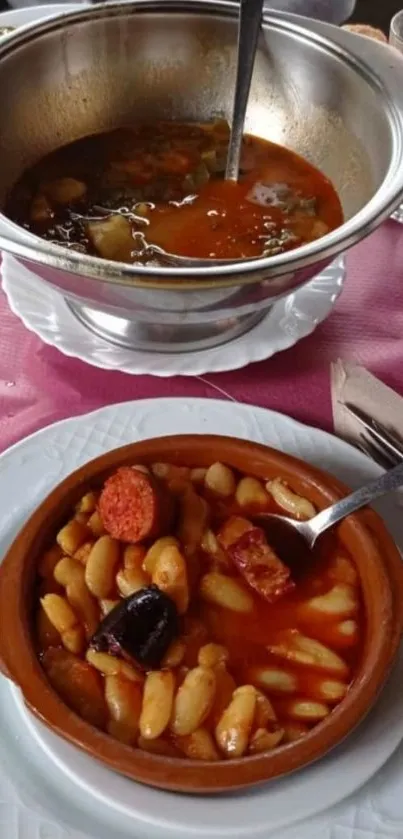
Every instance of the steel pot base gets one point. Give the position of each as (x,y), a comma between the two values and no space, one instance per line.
(149,337)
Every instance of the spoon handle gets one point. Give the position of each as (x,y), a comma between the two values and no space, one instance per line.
(391,480)
(250,15)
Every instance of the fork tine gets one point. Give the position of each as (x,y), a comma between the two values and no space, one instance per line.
(377,441)
(372,448)
(386,438)
(374,455)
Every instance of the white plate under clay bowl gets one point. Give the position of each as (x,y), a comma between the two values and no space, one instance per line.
(45,312)
(50,790)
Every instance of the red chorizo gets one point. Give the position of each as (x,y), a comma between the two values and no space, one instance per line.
(134,506)
(260,566)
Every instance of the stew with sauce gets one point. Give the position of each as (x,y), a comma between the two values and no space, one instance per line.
(167,617)
(118,194)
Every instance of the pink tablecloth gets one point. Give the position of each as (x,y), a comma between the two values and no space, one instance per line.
(38,385)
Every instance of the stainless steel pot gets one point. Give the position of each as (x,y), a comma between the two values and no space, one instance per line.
(333,97)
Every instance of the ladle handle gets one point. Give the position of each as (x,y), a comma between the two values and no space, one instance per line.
(388,482)
(250,16)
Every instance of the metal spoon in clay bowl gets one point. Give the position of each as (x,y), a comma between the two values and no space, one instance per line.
(306,533)
(250,16)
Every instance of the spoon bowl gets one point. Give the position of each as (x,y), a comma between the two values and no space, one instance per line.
(309,531)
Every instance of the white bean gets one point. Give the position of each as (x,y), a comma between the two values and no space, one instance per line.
(198,475)
(96,524)
(289,501)
(130,580)
(198,746)
(153,553)
(123,699)
(305,710)
(348,628)
(139,467)
(101,565)
(264,711)
(300,649)
(88,503)
(343,570)
(211,655)
(65,620)
(211,546)
(339,602)
(226,592)
(156,709)
(67,570)
(273,680)
(293,731)
(263,740)
(233,529)
(193,519)
(332,690)
(71,536)
(70,573)
(83,552)
(250,492)
(84,604)
(107,605)
(175,653)
(220,479)
(109,665)
(194,700)
(234,728)
(59,612)
(170,575)
(133,557)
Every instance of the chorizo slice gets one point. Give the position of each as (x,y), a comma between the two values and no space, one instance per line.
(260,566)
(134,506)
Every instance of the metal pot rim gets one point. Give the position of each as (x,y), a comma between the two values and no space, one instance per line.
(28,246)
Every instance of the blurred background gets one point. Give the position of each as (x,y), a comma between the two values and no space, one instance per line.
(375,12)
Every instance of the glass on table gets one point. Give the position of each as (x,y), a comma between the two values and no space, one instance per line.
(396,41)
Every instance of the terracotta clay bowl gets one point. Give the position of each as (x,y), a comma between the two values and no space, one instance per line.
(364,535)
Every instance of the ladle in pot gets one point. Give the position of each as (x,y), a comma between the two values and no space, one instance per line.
(250,16)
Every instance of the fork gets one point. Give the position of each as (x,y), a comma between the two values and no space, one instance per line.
(379,443)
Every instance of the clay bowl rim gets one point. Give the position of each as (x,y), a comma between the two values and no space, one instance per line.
(183,775)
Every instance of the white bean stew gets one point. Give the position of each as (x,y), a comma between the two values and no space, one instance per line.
(165,618)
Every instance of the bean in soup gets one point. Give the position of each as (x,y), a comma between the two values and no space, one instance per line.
(165,617)
(118,194)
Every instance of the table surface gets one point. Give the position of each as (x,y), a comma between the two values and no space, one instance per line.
(38,385)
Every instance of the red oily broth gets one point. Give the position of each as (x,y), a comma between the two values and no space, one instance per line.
(316,571)
(117,194)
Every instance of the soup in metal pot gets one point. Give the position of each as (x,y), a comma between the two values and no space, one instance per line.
(124,194)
